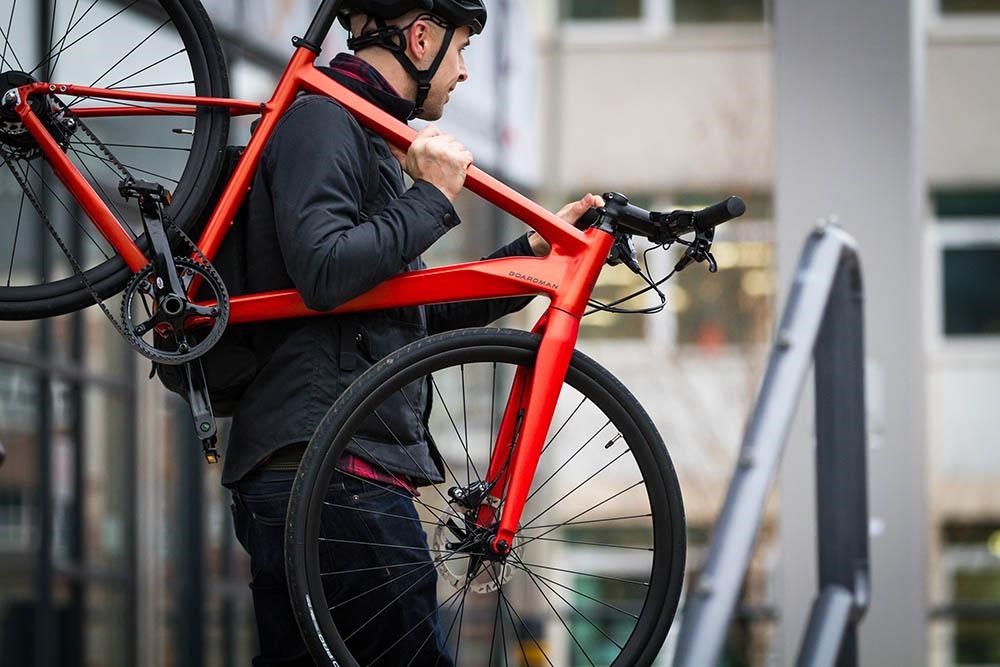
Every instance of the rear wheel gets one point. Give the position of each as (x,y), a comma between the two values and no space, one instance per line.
(165,47)
(595,572)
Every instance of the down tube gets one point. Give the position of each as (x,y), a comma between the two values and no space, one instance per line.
(554,355)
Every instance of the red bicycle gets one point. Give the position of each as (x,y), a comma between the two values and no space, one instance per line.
(558,535)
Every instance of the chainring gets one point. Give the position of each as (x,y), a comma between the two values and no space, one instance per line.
(165,343)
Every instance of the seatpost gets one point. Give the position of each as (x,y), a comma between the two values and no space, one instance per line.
(320,26)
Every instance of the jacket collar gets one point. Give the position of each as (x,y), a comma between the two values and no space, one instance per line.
(361,78)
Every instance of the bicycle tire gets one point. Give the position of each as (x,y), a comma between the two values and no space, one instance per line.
(187,23)
(436,354)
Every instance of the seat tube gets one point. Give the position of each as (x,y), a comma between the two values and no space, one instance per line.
(544,386)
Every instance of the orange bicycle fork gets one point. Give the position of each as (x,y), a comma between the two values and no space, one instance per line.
(532,401)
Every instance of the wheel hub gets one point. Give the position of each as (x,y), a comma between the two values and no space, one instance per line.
(484,570)
(15,139)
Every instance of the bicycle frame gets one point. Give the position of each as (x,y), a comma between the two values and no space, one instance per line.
(566,276)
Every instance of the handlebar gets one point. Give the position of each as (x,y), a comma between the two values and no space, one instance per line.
(617,213)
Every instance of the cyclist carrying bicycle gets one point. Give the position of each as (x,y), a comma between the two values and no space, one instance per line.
(330,216)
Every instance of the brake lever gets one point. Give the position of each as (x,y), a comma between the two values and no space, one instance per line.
(623,252)
(700,250)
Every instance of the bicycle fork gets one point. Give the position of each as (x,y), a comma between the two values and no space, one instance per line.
(525,424)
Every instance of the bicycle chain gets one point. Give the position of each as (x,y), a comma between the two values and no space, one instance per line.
(65,250)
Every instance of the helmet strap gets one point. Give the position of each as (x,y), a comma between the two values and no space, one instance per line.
(393,40)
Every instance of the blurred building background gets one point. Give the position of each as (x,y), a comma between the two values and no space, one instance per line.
(115,538)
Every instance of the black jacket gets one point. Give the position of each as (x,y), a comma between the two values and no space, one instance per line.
(306,231)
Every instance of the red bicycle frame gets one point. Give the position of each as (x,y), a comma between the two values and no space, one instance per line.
(566,276)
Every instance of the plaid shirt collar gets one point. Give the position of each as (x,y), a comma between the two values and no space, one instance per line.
(358,69)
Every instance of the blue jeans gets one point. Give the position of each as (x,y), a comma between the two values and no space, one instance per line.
(387,592)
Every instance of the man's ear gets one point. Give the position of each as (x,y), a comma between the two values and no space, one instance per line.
(419,40)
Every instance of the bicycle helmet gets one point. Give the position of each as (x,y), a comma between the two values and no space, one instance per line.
(450,14)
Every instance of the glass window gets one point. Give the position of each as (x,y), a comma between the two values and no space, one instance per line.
(106,493)
(970,580)
(969,6)
(972,291)
(969,237)
(589,10)
(718,11)
(734,305)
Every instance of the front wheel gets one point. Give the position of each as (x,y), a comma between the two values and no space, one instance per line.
(380,577)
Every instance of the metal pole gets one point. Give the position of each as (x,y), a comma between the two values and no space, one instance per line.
(841,450)
(711,603)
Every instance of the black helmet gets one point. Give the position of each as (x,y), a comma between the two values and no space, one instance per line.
(458,13)
(453,14)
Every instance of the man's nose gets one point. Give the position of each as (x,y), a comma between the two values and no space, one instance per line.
(463,74)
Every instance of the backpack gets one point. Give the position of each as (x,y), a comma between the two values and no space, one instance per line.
(232,363)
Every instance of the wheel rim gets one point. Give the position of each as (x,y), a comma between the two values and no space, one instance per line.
(590,605)
(142,46)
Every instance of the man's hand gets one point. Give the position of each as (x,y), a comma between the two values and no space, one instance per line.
(570,213)
(438,159)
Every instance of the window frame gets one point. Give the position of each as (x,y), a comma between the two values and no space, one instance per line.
(954,233)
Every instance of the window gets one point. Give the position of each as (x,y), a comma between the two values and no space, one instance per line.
(684,12)
(734,305)
(970,581)
(970,6)
(719,11)
(588,10)
(969,240)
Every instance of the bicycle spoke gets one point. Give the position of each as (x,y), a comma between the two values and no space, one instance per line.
(510,609)
(592,544)
(404,448)
(66,208)
(52,29)
(6,42)
(17,230)
(85,35)
(580,523)
(452,420)
(145,39)
(465,427)
(449,601)
(580,593)
(591,508)
(493,635)
(461,612)
(493,405)
(148,67)
(127,166)
(389,604)
(416,565)
(140,146)
(72,15)
(62,40)
(438,513)
(6,38)
(560,429)
(420,418)
(107,100)
(385,514)
(588,574)
(578,486)
(531,576)
(90,153)
(150,85)
(567,461)
(107,197)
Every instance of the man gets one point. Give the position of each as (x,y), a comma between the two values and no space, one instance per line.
(330,216)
